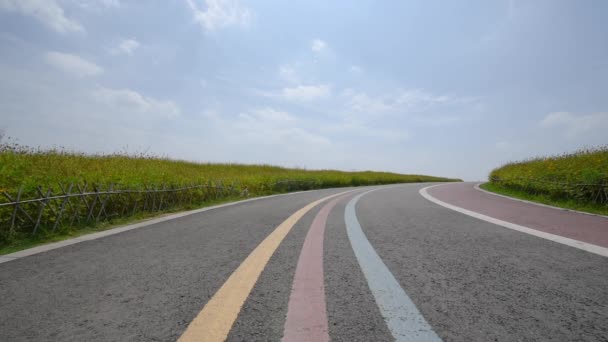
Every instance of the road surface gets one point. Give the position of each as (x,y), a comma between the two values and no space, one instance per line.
(357,264)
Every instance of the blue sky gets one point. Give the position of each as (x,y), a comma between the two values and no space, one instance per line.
(445,88)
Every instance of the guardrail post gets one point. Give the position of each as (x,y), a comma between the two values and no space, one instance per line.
(65,200)
(135,200)
(103,204)
(19,208)
(90,215)
(160,200)
(41,208)
(82,199)
(12,229)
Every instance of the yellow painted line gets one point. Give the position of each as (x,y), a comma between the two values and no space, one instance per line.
(214,322)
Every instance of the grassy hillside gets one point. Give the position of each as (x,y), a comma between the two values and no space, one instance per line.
(28,169)
(577,180)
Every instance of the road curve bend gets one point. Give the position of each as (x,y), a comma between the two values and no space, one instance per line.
(580,230)
(336,264)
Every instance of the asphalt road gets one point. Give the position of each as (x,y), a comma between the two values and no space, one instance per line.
(418,271)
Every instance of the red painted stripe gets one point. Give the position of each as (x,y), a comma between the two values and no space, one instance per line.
(306,313)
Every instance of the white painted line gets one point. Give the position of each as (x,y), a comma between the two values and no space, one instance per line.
(5,259)
(536,203)
(118,230)
(402,317)
(555,238)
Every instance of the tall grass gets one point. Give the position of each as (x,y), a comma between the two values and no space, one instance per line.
(28,168)
(580,176)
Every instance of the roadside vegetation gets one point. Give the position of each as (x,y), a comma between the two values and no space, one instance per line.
(577,180)
(35,171)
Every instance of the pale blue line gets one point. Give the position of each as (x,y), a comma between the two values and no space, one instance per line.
(402,317)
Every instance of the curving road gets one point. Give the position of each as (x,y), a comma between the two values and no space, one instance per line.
(387,263)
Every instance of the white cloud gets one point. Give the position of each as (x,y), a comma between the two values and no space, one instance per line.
(307,92)
(108,3)
(97,4)
(576,125)
(72,64)
(359,129)
(511,9)
(361,102)
(318,45)
(288,73)
(417,97)
(48,12)
(503,145)
(219,14)
(126,46)
(406,101)
(558,118)
(438,120)
(266,126)
(355,69)
(268,115)
(132,102)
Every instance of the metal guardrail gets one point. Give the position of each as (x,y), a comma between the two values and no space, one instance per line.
(90,203)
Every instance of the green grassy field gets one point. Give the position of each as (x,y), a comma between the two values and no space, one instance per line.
(30,168)
(577,180)
(27,168)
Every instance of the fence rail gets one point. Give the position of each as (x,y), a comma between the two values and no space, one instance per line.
(76,204)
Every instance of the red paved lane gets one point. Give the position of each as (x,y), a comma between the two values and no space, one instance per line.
(586,228)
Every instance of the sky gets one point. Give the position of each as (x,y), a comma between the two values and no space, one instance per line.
(447,88)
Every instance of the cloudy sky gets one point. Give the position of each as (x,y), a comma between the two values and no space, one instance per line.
(450,88)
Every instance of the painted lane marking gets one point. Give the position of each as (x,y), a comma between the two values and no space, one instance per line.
(552,237)
(216,318)
(307,312)
(402,317)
